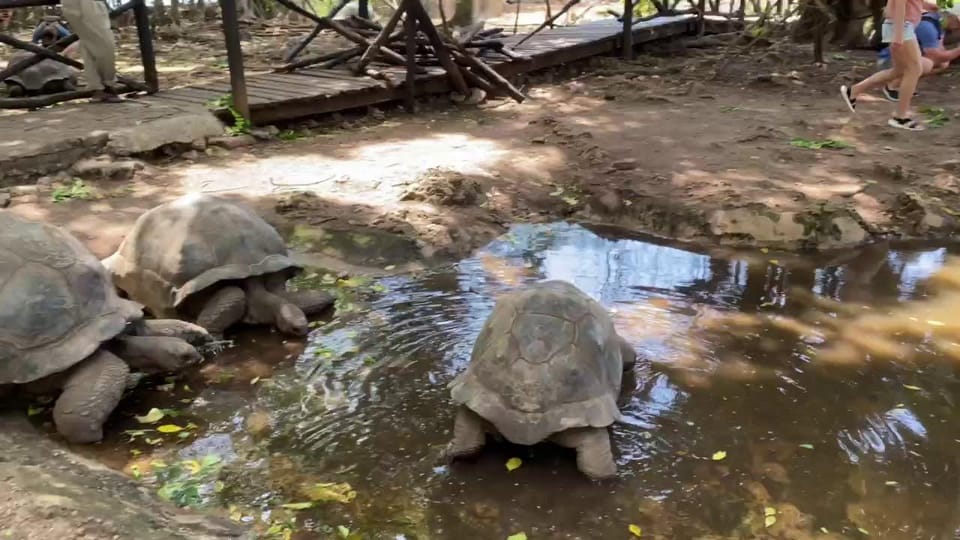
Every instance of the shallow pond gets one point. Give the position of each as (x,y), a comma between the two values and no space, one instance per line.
(737,427)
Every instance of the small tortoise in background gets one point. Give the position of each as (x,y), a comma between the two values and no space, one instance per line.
(548,365)
(63,326)
(216,262)
(45,77)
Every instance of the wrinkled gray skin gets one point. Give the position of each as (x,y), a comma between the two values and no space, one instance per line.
(548,365)
(63,327)
(215,261)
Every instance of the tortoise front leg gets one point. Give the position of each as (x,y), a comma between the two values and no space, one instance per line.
(469,435)
(91,392)
(193,334)
(155,354)
(222,310)
(594,457)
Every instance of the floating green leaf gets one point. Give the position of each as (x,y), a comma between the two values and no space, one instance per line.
(806,446)
(518,536)
(635,530)
(330,492)
(769,511)
(912,387)
(768,521)
(719,455)
(152,417)
(169,428)
(298,505)
(33,411)
(514,463)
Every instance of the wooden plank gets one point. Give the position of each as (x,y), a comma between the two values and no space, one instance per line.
(198,93)
(279,89)
(224,88)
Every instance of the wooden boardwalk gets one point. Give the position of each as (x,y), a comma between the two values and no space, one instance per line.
(284,96)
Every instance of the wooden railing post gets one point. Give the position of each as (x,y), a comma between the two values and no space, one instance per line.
(627,30)
(147,55)
(231,35)
(701,22)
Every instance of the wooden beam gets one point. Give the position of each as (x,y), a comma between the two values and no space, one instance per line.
(415,9)
(374,49)
(147,55)
(410,28)
(231,35)
(42,51)
(627,30)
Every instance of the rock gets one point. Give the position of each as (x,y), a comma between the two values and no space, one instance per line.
(5,198)
(71,494)
(105,168)
(265,133)
(199,145)
(231,142)
(539,140)
(146,137)
(191,155)
(216,151)
(624,164)
(376,113)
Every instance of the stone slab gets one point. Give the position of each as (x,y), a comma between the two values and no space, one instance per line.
(34,143)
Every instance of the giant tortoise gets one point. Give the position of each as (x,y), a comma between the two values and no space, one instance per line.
(63,326)
(215,261)
(45,77)
(548,365)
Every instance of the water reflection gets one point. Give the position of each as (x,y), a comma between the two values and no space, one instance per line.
(741,419)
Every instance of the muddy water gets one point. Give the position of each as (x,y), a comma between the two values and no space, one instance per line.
(735,430)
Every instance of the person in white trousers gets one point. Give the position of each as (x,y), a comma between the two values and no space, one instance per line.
(90,19)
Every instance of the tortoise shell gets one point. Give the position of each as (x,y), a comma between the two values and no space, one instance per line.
(547,359)
(57,305)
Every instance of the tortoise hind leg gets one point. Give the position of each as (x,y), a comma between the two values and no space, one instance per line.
(92,391)
(594,457)
(222,310)
(469,435)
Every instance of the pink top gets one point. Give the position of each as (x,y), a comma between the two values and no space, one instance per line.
(913,12)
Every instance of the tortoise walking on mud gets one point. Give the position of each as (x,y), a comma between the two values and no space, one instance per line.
(548,365)
(215,261)
(62,325)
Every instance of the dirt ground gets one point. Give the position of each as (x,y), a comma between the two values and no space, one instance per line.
(706,145)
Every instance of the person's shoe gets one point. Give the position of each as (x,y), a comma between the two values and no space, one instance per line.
(102,96)
(848,98)
(908,124)
(891,94)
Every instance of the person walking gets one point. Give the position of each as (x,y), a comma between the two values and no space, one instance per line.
(901,18)
(91,22)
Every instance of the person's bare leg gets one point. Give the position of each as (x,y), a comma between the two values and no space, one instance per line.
(908,57)
(877,79)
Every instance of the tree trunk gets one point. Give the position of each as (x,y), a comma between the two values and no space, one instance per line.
(463,14)
(175,12)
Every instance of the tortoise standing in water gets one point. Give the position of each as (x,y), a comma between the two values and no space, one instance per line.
(214,261)
(548,365)
(62,326)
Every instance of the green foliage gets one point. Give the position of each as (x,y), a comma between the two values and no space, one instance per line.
(76,190)
(188,483)
(241,125)
(829,144)
(936,116)
(642,8)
